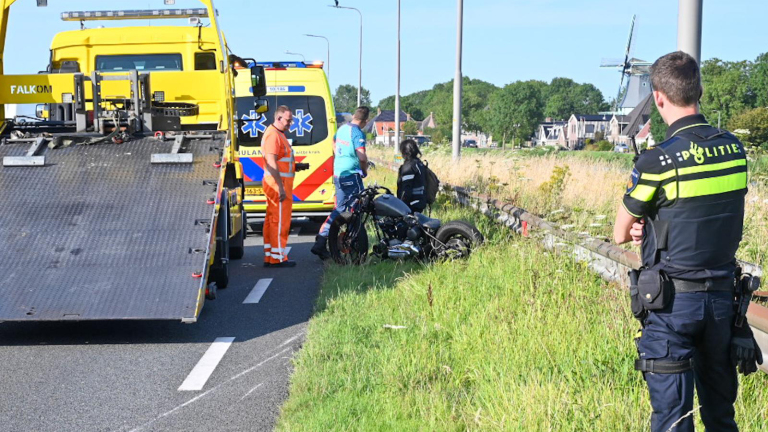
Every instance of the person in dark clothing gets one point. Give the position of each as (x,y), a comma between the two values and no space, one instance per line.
(411,177)
(684,205)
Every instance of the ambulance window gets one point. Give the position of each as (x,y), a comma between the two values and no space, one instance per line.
(205,61)
(140,62)
(310,121)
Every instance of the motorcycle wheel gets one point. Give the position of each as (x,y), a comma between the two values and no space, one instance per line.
(344,249)
(459,238)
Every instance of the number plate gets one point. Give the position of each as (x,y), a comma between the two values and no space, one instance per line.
(254,191)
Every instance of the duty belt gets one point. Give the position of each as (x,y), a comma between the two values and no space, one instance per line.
(720,284)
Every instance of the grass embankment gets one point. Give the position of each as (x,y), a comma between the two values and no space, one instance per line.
(515,338)
(580,191)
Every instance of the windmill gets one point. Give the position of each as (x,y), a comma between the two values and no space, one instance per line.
(638,85)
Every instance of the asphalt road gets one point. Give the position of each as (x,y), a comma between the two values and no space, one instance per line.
(130,376)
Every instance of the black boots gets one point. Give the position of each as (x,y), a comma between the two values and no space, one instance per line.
(320,248)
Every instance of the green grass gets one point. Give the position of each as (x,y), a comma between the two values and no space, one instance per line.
(515,338)
(624,159)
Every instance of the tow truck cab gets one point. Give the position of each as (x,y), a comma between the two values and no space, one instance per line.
(158,50)
(303,87)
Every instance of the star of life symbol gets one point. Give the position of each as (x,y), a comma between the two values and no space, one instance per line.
(665,160)
(253,123)
(301,123)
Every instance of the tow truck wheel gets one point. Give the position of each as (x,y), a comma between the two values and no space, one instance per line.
(210,292)
(237,243)
(220,276)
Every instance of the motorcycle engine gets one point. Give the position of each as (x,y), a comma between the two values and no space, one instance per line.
(394,228)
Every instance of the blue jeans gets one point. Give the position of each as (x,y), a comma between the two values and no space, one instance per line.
(345,186)
(698,325)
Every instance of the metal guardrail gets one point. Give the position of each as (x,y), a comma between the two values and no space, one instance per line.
(611,262)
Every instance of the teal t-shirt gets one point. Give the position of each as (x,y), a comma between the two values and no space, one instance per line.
(347,140)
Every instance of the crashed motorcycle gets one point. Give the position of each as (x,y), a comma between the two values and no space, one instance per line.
(399,232)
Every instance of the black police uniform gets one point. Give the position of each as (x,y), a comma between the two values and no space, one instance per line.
(410,184)
(690,191)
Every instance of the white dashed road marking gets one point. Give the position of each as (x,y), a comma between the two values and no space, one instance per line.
(258,290)
(204,368)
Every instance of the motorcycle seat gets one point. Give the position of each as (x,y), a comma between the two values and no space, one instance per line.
(427,222)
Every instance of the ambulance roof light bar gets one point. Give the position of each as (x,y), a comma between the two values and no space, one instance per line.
(291,64)
(133,14)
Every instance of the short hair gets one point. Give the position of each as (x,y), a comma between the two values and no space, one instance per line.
(677,76)
(409,149)
(362,113)
(282,109)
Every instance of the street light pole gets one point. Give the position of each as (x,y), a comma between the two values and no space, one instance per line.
(689,27)
(360,67)
(457,85)
(328,54)
(397,92)
(296,54)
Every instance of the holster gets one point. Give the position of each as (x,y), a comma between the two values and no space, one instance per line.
(634,296)
(746,285)
(649,290)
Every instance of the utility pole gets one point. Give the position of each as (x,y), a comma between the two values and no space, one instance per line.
(689,27)
(457,81)
(360,67)
(397,91)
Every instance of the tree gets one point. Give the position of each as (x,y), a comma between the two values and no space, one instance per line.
(658,127)
(564,97)
(516,110)
(345,98)
(726,88)
(411,128)
(439,100)
(755,121)
(759,80)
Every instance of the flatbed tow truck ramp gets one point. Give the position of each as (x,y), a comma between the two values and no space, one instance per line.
(122,198)
(102,233)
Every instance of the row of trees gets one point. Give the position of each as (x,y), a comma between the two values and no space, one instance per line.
(509,112)
(737,91)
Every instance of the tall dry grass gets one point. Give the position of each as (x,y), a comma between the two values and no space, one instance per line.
(585,200)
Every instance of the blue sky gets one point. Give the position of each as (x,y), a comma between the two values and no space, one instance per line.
(504,40)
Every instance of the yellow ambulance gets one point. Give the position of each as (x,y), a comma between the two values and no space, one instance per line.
(303,87)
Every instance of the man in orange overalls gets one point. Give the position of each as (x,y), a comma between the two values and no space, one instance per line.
(279,170)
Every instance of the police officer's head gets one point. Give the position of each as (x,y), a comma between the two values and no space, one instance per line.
(360,117)
(409,149)
(676,85)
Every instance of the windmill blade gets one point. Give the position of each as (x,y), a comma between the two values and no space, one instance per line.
(629,46)
(611,62)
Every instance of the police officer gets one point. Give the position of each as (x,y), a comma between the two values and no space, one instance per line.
(685,205)
(411,177)
(350,166)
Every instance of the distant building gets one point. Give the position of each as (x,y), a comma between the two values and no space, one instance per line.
(583,127)
(427,123)
(636,121)
(552,133)
(383,126)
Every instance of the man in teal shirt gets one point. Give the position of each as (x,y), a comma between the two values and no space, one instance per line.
(350,166)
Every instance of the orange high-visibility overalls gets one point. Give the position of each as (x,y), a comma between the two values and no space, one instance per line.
(277,223)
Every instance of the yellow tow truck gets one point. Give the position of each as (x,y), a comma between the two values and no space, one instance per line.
(124,197)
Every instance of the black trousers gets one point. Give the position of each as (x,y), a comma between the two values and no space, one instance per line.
(694,325)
